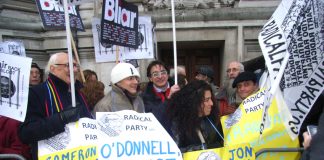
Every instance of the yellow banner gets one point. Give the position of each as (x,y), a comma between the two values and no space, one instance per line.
(241,151)
(80,153)
(243,126)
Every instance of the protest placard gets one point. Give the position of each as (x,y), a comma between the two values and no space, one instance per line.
(119,23)
(106,52)
(292,45)
(240,151)
(14,86)
(125,135)
(243,127)
(52,15)
(15,47)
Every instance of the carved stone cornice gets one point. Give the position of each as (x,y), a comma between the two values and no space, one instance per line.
(213,14)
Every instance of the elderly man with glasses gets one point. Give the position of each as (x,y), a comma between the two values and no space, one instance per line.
(50,105)
(158,91)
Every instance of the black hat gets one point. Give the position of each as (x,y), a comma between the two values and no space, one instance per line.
(206,70)
(244,76)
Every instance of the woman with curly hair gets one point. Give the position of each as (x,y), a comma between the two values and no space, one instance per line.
(194,117)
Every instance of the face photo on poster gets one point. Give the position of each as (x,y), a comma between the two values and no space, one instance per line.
(14,47)
(14,86)
(105,52)
(52,15)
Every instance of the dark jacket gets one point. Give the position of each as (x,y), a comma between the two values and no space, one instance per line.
(315,150)
(44,102)
(188,143)
(9,140)
(153,104)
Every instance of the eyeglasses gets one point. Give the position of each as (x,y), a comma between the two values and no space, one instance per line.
(158,74)
(67,65)
(232,69)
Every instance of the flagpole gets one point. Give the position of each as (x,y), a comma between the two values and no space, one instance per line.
(77,58)
(174,44)
(68,45)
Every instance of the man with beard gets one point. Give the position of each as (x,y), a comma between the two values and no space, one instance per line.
(227,99)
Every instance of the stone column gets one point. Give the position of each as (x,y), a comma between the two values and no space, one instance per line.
(240,40)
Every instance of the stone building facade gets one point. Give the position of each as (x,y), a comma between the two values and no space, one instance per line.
(209,32)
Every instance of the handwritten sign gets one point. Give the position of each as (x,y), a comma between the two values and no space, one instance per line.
(14,76)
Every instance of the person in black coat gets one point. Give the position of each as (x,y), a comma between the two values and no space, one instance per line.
(50,106)
(314,145)
(158,91)
(194,117)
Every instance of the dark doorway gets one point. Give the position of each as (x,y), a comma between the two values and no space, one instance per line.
(193,55)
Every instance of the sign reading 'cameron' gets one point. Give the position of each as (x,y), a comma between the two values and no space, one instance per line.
(53,15)
(119,23)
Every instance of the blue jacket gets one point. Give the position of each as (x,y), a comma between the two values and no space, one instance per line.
(45,101)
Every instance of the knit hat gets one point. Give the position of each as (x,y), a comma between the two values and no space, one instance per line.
(244,76)
(122,71)
(206,70)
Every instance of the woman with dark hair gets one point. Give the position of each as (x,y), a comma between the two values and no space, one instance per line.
(194,117)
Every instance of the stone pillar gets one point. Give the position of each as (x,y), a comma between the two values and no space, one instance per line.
(240,40)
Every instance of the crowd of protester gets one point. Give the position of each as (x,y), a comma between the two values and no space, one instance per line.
(189,111)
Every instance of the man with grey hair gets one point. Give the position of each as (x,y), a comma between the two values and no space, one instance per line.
(49,104)
(227,98)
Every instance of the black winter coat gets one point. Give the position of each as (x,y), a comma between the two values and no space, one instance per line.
(153,104)
(315,150)
(42,119)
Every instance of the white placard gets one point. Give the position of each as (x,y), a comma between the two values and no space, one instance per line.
(292,45)
(125,135)
(107,52)
(13,47)
(14,75)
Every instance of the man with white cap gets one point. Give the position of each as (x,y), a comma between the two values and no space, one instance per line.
(124,91)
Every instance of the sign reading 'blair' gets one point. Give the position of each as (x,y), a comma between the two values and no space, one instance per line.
(119,23)
(52,15)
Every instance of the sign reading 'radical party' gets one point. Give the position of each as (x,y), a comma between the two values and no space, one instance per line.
(125,135)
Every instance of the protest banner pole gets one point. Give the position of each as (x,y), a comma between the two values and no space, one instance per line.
(77,58)
(68,45)
(117,54)
(174,44)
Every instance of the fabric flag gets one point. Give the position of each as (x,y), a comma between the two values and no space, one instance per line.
(292,43)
